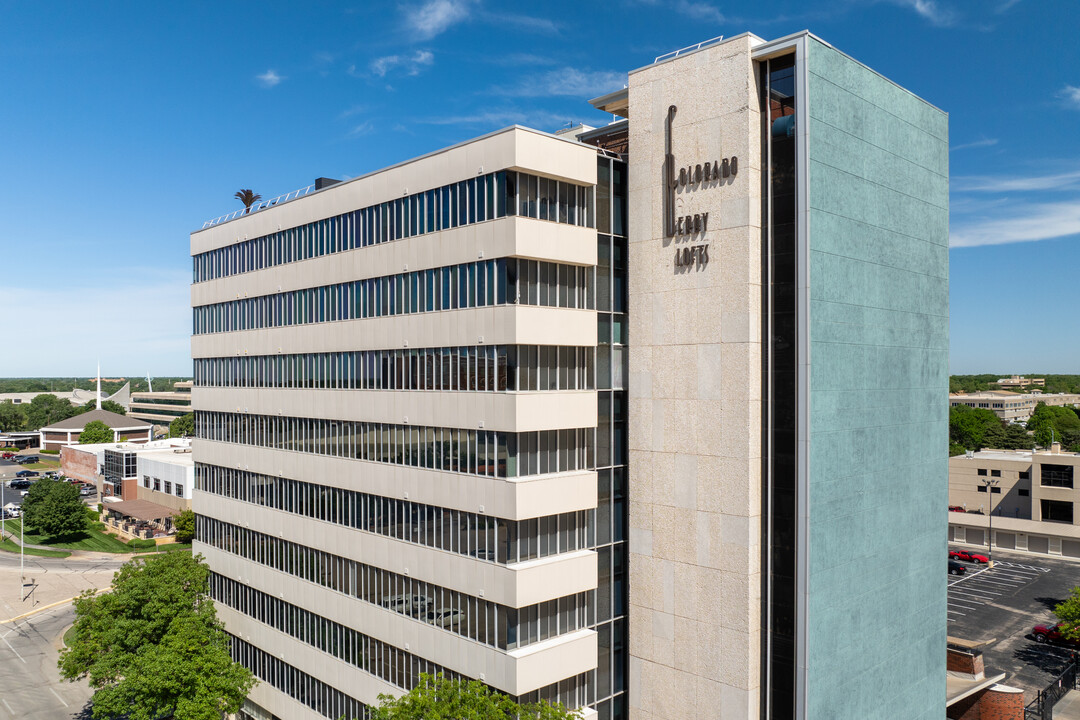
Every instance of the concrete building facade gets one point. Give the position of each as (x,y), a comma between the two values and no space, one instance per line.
(161,408)
(585,417)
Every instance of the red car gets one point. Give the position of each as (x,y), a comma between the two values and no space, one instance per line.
(956,508)
(7,455)
(968,556)
(1052,634)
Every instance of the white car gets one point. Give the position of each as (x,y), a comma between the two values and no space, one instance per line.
(446,617)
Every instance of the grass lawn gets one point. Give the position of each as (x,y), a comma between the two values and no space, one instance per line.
(43,465)
(92,539)
(8,546)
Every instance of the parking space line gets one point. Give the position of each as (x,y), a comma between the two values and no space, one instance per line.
(58,697)
(969,589)
(951,602)
(14,650)
(3,700)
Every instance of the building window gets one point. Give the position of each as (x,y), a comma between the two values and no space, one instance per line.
(179,490)
(995,490)
(1056,476)
(1023,492)
(1057,511)
(146,481)
(995,473)
(157,484)
(981,488)
(168,488)
(982,471)
(1025,474)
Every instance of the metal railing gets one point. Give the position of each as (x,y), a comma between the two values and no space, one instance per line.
(1042,707)
(688,48)
(260,205)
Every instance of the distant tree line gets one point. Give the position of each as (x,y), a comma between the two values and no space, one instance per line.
(977,428)
(40,385)
(45,410)
(979,383)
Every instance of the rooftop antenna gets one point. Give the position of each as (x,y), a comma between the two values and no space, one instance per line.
(149,384)
(98,385)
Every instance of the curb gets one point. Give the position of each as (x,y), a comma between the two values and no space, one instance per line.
(40,609)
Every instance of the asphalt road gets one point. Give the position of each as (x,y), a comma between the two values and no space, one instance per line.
(30,684)
(1003,603)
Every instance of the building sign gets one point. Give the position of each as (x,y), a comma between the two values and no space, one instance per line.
(692,178)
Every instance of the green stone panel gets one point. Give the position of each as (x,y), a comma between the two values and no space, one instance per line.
(878,234)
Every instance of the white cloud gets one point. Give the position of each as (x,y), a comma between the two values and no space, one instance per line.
(269,79)
(1071,95)
(436,16)
(930,10)
(363,128)
(1025,223)
(527,23)
(149,307)
(501,118)
(984,142)
(700,11)
(978,183)
(567,81)
(410,64)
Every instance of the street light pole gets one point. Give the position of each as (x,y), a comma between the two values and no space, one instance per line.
(990,485)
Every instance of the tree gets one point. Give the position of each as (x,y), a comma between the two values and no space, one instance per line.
(247,197)
(185,526)
(12,417)
(182,426)
(54,508)
(1068,613)
(1054,424)
(154,646)
(436,698)
(968,426)
(95,431)
(46,409)
(107,405)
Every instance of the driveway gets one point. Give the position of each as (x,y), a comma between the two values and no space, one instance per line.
(30,684)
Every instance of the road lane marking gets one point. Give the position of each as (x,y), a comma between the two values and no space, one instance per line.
(13,650)
(58,697)
(8,707)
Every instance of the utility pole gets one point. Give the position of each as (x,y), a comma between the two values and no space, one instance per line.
(990,484)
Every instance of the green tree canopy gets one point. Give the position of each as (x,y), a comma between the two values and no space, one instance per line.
(108,405)
(968,426)
(153,646)
(46,409)
(1054,423)
(1068,613)
(436,698)
(185,526)
(182,426)
(95,431)
(54,508)
(12,417)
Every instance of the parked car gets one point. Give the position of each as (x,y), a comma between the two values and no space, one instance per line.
(27,474)
(28,459)
(87,490)
(19,484)
(1052,634)
(956,568)
(446,617)
(7,455)
(956,508)
(967,556)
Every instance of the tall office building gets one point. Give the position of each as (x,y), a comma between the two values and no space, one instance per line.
(588,417)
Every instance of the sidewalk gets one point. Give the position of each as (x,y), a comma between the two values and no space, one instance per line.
(1068,707)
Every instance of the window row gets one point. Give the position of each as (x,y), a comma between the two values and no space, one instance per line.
(479,536)
(155,484)
(305,689)
(481,620)
(472,452)
(486,368)
(478,199)
(470,285)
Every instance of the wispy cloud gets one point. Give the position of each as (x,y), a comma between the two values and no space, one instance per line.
(700,11)
(435,17)
(1025,223)
(984,142)
(502,117)
(409,64)
(269,79)
(1004,5)
(527,23)
(932,11)
(363,128)
(1032,183)
(1071,95)
(566,81)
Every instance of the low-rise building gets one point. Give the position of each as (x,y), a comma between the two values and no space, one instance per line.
(1019,381)
(1010,406)
(161,408)
(1033,497)
(66,432)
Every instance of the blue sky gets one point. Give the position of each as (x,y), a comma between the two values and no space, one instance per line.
(124,126)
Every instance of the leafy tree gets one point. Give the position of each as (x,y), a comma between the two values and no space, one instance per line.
(247,197)
(968,426)
(108,405)
(1068,613)
(54,508)
(95,431)
(182,426)
(955,449)
(46,409)
(153,647)
(436,698)
(12,417)
(185,526)
(1054,424)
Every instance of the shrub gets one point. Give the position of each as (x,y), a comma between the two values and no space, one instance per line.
(140,543)
(49,452)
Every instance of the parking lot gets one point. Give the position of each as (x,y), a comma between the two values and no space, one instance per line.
(1001,605)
